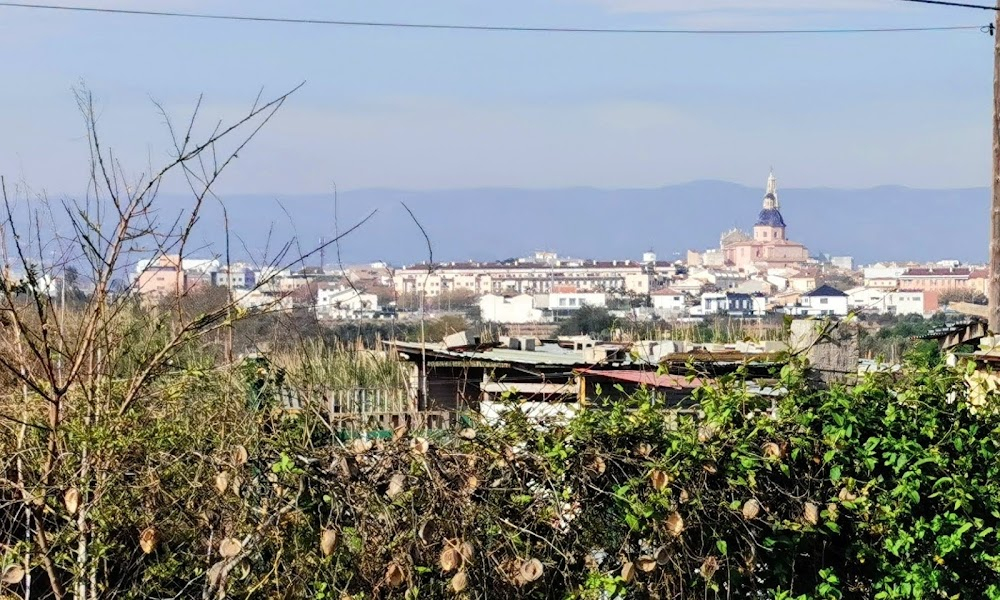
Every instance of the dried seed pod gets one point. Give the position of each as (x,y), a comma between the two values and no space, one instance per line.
(237,486)
(148,539)
(395,576)
(531,570)
(471,483)
(675,524)
(661,555)
(327,541)
(400,432)
(751,508)
(660,480)
(646,564)
(230,547)
(420,445)
(13,574)
(396,485)
(706,433)
(222,482)
(709,567)
(847,495)
(599,465)
(771,451)
(710,468)
(644,450)
(810,514)
(240,455)
(450,559)
(684,497)
(459,582)
(467,434)
(628,572)
(467,552)
(71,499)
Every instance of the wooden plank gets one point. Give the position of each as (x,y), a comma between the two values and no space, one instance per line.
(972,310)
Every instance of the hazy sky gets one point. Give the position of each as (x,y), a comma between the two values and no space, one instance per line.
(439,109)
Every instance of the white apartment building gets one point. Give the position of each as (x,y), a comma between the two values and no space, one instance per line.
(345,303)
(534,276)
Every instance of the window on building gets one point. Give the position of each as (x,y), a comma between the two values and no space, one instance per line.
(562,302)
(572,301)
(824,300)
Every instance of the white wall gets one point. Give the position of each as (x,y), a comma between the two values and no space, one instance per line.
(669,303)
(516,309)
(907,303)
(815,306)
(574,300)
(879,301)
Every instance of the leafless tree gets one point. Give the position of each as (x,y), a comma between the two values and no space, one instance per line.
(97,362)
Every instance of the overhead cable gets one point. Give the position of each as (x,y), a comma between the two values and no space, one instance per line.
(956,4)
(461,27)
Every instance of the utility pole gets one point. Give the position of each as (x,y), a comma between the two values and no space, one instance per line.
(994,288)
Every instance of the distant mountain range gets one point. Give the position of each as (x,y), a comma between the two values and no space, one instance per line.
(876,224)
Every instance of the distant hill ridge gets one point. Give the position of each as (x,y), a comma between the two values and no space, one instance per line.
(875,224)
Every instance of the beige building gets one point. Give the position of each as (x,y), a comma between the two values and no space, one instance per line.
(534,277)
(162,276)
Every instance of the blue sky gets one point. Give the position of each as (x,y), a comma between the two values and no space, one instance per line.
(433,109)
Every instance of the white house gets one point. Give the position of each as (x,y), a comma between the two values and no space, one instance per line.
(668,302)
(510,309)
(730,303)
(913,302)
(824,301)
(571,300)
(866,299)
(259,300)
(886,302)
(345,303)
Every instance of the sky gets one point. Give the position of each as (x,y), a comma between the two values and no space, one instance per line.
(424,110)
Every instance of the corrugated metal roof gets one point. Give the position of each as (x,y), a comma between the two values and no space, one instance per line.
(547,355)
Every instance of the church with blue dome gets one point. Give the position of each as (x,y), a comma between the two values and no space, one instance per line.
(768,247)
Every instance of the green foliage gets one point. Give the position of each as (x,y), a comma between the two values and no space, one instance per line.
(594,321)
(889,489)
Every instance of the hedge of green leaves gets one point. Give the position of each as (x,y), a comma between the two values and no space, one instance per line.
(885,490)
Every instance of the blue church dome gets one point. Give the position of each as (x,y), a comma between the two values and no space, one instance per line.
(770,217)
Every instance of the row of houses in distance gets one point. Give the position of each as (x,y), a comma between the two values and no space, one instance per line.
(542,273)
(546,288)
(337,297)
(672,304)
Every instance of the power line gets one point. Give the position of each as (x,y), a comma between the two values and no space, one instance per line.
(459,27)
(958,4)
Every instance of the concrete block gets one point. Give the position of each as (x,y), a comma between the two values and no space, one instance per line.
(462,339)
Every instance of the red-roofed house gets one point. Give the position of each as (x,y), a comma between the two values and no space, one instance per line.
(668,302)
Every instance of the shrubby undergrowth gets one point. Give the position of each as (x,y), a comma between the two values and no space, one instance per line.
(885,490)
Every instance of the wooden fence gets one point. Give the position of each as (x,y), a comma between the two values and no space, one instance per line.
(375,412)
